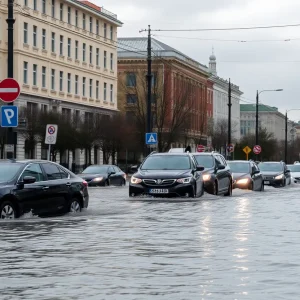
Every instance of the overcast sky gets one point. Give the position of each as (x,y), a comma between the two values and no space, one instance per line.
(251,65)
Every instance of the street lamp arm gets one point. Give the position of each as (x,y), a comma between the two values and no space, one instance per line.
(277,90)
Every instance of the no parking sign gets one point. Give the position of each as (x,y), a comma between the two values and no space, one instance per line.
(51,134)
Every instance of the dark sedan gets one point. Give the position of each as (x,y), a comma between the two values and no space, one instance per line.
(103,175)
(42,187)
(246,175)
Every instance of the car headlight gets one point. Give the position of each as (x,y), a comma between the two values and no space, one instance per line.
(135,180)
(184,180)
(242,181)
(206,177)
(97,179)
(279,176)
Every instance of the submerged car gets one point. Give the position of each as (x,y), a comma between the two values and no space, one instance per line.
(246,175)
(295,172)
(275,174)
(103,175)
(40,187)
(168,175)
(217,175)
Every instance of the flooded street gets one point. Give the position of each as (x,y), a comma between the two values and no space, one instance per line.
(244,247)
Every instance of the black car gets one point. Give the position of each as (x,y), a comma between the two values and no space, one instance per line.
(103,175)
(168,175)
(246,175)
(217,175)
(275,173)
(42,187)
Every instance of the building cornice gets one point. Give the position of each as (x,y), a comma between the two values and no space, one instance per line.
(224,84)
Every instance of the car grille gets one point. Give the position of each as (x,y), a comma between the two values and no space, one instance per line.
(159,181)
(268,177)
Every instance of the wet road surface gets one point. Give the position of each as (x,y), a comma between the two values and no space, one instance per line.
(243,247)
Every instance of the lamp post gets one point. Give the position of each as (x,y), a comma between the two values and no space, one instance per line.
(286,130)
(256,118)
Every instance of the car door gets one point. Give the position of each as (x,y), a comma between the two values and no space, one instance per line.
(255,177)
(222,175)
(58,188)
(33,197)
(287,174)
(118,175)
(113,176)
(197,176)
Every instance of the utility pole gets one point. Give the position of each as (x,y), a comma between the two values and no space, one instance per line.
(149,82)
(10,60)
(229,120)
(256,121)
(285,139)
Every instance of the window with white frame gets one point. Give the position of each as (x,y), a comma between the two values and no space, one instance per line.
(76,84)
(83,86)
(34,75)
(97,89)
(25,72)
(111,32)
(25,33)
(69,15)
(105,60)
(44,70)
(97,56)
(97,27)
(83,22)
(105,30)
(69,47)
(76,49)
(69,83)
(61,12)
(34,37)
(111,93)
(61,81)
(104,91)
(91,54)
(44,39)
(83,51)
(91,24)
(111,61)
(53,79)
(76,18)
(34,4)
(53,9)
(91,88)
(61,45)
(53,42)
(44,7)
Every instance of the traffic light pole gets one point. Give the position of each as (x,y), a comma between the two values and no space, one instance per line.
(229,121)
(149,84)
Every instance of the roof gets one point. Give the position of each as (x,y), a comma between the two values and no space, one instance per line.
(238,161)
(261,107)
(137,47)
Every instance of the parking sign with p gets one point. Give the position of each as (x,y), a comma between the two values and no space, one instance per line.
(9,116)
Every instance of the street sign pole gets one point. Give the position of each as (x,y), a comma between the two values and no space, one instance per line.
(49,151)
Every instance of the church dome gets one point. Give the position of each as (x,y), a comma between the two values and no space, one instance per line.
(212,57)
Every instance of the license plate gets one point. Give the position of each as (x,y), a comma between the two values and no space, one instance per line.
(267,182)
(158,191)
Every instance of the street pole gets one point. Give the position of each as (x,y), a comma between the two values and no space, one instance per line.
(256,121)
(10,60)
(285,139)
(149,82)
(229,119)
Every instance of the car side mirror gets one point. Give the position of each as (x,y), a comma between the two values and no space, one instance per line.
(134,168)
(221,167)
(288,171)
(256,172)
(29,179)
(112,173)
(200,168)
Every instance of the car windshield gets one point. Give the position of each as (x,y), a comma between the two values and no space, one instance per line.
(270,167)
(164,162)
(95,170)
(294,168)
(8,171)
(239,167)
(205,161)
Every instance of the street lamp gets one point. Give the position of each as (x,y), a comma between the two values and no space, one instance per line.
(257,102)
(286,129)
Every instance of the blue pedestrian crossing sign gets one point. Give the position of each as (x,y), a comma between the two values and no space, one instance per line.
(151,138)
(9,116)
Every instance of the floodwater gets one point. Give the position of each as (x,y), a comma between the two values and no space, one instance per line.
(243,247)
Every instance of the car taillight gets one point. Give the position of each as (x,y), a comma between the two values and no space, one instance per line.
(85,183)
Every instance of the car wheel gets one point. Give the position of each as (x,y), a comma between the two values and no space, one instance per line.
(229,192)
(106,183)
(75,206)
(193,193)
(123,183)
(262,188)
(215,189)
(7,210)
(283,183)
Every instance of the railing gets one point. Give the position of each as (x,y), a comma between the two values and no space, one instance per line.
(107,12)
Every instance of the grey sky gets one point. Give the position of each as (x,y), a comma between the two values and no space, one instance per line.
(251,65)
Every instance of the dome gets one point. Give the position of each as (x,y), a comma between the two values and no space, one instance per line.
(212,57)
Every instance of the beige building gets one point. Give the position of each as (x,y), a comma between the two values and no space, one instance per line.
(65,58)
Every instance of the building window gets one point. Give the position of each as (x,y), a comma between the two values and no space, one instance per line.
(83,51)
(53,42)
(104,91)
(131,80)
(44,108)
(91,88)
(44,6)
(111,93)
(69,83)
(34,36)
(91,24)
(97,89)
(69,15)
(111,33)
(76,84)
(35,4)
(53,79)
(61,12)
(112,61)
(44,77)
(76,49)
(69,47)
(91,54)
(44,39)
(25,33)
(83,86)
(131,99)
(25,3)
(61,45)
(105,59)
(34,75)
(61,81)
(97,27)
(53,9)
(25,72)
(97,56)
(76,18)
(105,30)
(83,21)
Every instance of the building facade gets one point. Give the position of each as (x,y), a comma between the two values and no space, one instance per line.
(220,99)
(65,59)
(175,76)
(268,117)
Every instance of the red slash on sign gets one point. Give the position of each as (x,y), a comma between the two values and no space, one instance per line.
(257,149)
(51,130)
(9,90)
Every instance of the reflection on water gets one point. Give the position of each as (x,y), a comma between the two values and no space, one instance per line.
(244,247)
